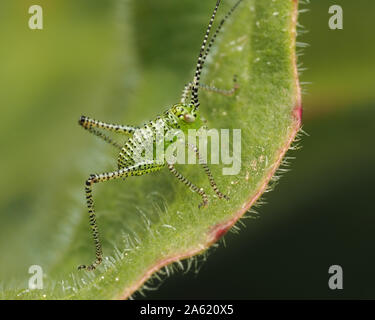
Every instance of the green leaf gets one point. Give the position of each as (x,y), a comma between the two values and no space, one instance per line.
(149,222)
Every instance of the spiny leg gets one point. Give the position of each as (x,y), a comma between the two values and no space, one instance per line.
(87,122)
(188,87)
(224,92)
(138,170)
(208,173)
(104,137)
(93,225)
(91,124)
(190,185)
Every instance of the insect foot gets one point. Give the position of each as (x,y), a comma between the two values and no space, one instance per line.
(91,267)
(204,202)
(236,85)
(224,196)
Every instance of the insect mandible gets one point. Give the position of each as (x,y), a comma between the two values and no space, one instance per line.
(183,116)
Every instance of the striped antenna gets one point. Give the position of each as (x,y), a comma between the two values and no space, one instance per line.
(202,59)
(194,90)
(212,41)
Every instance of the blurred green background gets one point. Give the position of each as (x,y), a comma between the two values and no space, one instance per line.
(97,59)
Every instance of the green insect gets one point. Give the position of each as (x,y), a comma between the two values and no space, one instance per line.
(182,116)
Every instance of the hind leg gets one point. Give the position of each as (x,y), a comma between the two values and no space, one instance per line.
(135,170)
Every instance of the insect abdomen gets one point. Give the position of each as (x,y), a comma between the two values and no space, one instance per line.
(147,137)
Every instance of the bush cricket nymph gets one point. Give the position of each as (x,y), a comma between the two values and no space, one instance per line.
(183,116)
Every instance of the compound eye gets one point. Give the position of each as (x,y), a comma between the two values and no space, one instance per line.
(189,118)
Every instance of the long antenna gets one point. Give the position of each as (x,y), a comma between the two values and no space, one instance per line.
(212,41)
(202,59)
(194,90)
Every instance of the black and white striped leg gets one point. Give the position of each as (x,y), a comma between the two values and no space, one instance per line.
(208,173)
(104,137)
(93,225)
(92,125)
(222,91)
(190,185)
(188,87)
(135,170)
(87,122)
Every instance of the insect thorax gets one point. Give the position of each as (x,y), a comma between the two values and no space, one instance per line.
(159,132)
